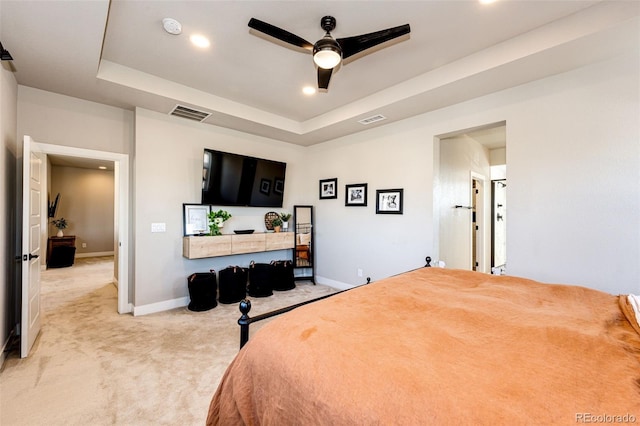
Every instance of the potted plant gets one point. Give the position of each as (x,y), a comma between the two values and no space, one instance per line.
(276,223)
(285,220)
(60,224)
(216,221)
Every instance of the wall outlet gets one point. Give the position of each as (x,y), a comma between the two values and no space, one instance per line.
(84,245)
(359,272)
(158,227)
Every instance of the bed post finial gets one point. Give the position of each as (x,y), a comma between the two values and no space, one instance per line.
(244,321)
(428,259)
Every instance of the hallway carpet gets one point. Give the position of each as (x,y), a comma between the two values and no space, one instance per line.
(92,366)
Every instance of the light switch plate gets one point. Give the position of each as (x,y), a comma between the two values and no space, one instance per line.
(158,227)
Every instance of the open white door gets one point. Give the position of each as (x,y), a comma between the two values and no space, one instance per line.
(31,223)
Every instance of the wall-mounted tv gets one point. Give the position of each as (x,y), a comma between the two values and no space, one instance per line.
(238,180)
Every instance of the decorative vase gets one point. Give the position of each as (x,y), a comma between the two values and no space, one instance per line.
(276,228)
(285,226)
(60,233)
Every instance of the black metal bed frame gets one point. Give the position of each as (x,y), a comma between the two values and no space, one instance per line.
(245,306)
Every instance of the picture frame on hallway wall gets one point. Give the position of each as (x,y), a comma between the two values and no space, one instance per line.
(355,195)
(196,219)
(328,189)
(389,201)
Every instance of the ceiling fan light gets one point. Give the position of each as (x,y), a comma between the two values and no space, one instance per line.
(327,53)
(327,58)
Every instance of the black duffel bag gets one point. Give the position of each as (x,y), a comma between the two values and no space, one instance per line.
(232,284)
(283,275)
(260,279)
(203,289)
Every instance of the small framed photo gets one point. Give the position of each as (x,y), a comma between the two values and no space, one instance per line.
(265,186)
(355,195)
(389,201)
(278,187)
(196,219)
(328,188)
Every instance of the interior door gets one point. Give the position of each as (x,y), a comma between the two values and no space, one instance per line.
(32,166)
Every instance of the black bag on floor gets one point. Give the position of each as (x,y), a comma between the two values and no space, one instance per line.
(283,275)
(203,289)
(260,279)
(232,284)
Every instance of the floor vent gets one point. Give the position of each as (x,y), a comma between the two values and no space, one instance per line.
(189,113)
(372,119)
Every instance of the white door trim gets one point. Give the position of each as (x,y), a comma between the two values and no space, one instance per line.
(481,216)
(121,203)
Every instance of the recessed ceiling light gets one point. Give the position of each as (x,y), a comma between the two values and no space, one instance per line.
(487,1)
(199,40)
(309,90)
(172,26)
(102,167)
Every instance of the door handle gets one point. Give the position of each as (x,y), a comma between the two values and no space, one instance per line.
(33,256)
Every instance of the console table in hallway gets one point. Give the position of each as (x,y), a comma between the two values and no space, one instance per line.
(61,251)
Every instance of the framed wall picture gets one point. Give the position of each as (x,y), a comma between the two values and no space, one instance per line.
(389,201)
(196,219)
(328,188)
(355,195)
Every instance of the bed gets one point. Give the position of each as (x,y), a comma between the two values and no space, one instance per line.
(438,346)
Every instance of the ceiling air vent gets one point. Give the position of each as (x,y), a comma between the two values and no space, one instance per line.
(372,119)
(189,113)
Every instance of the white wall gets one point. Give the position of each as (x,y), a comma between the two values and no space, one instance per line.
(573,158)
(573,169)
(62,120)
(399,155)
(87,202)
(168,173)
(8,228)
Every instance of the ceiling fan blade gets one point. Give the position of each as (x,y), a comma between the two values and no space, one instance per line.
(279,33)
(324,76)
(356,44)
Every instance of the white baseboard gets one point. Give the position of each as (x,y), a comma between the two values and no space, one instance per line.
(95,254)
(335,284)
(127,310)
(184,301)
(160,306)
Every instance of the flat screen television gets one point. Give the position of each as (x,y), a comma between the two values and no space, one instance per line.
(239,180)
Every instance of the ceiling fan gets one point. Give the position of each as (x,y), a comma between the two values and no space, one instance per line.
(328,52)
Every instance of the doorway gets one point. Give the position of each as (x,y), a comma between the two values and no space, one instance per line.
(121,210)
(462,195)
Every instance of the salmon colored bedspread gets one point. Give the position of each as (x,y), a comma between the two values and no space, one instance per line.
(438,346)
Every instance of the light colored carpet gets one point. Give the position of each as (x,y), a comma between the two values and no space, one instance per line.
(92,366)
